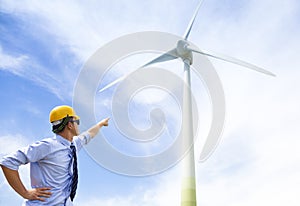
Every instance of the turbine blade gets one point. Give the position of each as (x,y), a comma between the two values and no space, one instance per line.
(113,83)
(189,28)
(233,60)
(170,55)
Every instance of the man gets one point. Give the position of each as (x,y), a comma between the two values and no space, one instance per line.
(53,161)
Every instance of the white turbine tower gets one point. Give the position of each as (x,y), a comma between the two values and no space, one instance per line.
(185,53)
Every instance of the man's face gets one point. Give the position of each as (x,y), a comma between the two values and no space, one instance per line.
(75,128)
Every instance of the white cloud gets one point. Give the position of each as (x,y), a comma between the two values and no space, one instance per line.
(165,192)
(25,66)
(12,63)
(251,168)
(10,143)
(74,25)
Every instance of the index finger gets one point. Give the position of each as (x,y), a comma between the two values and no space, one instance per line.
(44,188)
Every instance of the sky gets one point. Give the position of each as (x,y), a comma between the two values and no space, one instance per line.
(44,46)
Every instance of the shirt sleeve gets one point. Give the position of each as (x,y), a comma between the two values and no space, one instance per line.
(81,140)
(31,153)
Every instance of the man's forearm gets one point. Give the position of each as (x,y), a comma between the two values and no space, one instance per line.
(15,182)
(13,178)
(93,131)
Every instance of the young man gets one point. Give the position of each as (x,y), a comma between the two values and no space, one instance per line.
(53,161)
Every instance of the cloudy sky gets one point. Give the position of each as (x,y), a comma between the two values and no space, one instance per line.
(45,44)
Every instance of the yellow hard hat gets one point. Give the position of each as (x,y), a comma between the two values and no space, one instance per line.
(60,112)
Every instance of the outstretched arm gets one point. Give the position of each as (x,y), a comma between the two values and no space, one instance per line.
(15,182)
(93,131)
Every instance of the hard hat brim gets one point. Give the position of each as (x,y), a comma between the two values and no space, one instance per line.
(76,117)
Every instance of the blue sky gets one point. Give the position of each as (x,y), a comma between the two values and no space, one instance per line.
(45,44)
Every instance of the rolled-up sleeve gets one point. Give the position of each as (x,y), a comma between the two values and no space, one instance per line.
(82,139)
(31,153)
(14,160)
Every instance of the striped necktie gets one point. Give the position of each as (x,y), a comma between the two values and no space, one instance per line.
(75,173)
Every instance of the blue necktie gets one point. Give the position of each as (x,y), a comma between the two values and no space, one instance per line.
(75,173)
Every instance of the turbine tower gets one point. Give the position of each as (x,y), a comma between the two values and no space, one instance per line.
(185,53)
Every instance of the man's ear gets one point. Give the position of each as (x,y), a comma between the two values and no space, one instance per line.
(69,125)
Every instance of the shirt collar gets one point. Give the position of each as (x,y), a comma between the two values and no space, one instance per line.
(63,140)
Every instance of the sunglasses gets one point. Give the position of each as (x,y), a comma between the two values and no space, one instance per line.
(76,120)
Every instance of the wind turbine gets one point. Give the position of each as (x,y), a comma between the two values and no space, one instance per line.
(185,53)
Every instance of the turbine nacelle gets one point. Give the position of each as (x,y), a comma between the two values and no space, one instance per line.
(183,51)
